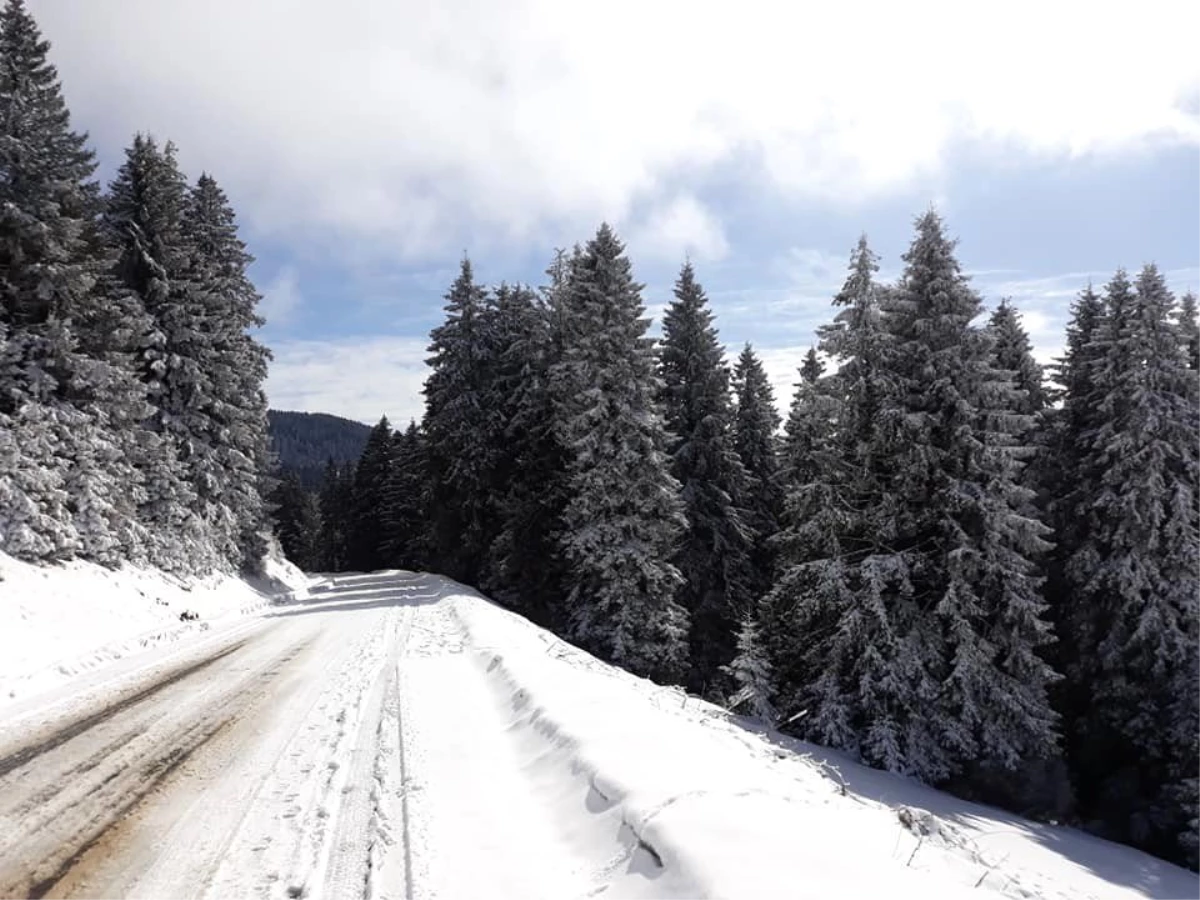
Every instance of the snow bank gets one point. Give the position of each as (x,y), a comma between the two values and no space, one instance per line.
(57,622)
(725,810)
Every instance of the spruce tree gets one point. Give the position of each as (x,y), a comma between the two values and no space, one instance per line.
(515,329)
(527,557)
(714,555)
(751,674)
(1130,569)
(461,512)
(836,621)
(624,516)
(336,519)
(144,223)
(1189,328)
(808,432)
(962,521)
(366,504)
(909,564)
(1012,352)
(297,522)
(231,439)
(405,502)
(755,423)
(67,486)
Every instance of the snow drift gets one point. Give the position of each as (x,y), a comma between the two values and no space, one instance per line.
(60,621)
(720,808)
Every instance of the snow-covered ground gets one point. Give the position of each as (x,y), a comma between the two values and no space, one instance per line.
(396,735)
(60,622)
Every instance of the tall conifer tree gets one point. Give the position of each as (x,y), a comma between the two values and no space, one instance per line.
(65,485)
(715,552)
(460,509)
(624,515)
(231,424)
(756,421)
(1129,570)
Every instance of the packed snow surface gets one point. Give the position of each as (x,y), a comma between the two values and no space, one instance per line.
(58,622)
(397,735)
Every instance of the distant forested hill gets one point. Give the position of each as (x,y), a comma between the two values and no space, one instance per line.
(306,441)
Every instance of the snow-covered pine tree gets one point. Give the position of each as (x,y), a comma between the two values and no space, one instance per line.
(1189,328)
(35,519)
(405,502)
(980,625)
(297,522)
(231,451)
(515,331)
(755,423)
(714,555)
(751,674)
(64,480)
(1065,432)
(809,429)
(1131,571)
(459,462)
(1064,490)
(624,516)
(837,620)
(1030,399)
(527,555)
(367,511)
(143,221)
(1012,352)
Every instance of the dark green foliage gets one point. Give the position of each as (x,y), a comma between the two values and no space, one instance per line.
(755,422)
(624,515)
(335,502)
(305,442)
(367,501)
(461,512)
(1012,352)
(714,555)
(809,425)
(230,434)
(528,564)
(405,503)
(1127,567)
(297,519)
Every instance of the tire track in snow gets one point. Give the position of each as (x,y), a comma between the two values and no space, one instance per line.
(17,759)
(360,854)
(322,822)
(65,803)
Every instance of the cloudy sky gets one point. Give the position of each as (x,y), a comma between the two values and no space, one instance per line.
(367,144)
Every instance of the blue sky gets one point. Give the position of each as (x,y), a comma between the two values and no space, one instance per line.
(366,146)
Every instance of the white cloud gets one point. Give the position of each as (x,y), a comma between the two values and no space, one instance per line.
(281,298)
(359,377)
(408,125)
(681,227)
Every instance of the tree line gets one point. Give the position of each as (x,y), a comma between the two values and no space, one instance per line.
(132,414)
(942,561)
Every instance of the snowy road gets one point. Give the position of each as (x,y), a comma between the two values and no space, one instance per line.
(342,748)
(398,736)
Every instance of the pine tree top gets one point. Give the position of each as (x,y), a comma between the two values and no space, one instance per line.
(1013,353)
(812,368)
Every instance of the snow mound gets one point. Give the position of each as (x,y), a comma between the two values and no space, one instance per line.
(713,806)
(57,622)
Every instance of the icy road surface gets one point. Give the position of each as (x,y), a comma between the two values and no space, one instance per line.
(290,759)
(397,736)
